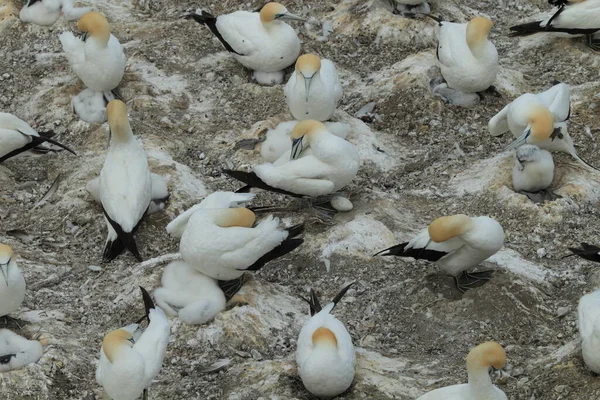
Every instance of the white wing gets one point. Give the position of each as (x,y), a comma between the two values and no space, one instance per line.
(329,75)
(499,122)
(557,99)
(452,43)
(153,343)
(10,122)
(243,31)
(74,49)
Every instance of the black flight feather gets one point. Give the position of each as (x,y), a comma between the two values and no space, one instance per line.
(587,251)
(287,246)
(148,305)
(231,287)
(400,250)
(211,22)
(124,240)
(531,28)
(252,180)
(35,142)
(314,303)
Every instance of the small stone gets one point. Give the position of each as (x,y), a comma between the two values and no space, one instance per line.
(95,268)
(341,203)
(562,311)
(541,253)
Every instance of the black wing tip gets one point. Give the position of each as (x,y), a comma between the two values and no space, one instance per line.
(201,18)
(314,303)
(112,250)
(148,302)
(285,247)
(342,292)
(436,19)
(295,230)
(527,29)
(253,181)
(397,250)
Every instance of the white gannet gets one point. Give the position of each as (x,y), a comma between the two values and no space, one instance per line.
(47,12)
(16,352)
(533,170)
(410,8)
(16,136)
(260,41)
(189,294)
(12,283)
(479,361)
(572,18)
(314,89)
(589,329)
(331,164)
(325,354)
(98,60)
(456,243)
(125,184)
(130,359)
(467,58)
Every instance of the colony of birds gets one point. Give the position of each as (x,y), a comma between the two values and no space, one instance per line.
(307,171)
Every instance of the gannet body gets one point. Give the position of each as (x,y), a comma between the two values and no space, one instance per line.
(589,329)
(12,283)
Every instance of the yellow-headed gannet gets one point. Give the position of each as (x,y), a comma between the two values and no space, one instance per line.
(47,12)
(260,41)
(456,243)
(16,352)
(589,329)
(130,359)
(314,89)
(325,354)
(12,283)
(479,361)
(125,184)
(16,136)
(533,170)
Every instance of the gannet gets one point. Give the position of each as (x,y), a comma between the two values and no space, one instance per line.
(533,170)
(189,294)
(410,8)
(587,251)
(325,354)
(47,12)
(330,165)
(16,352)
(467,58)
(589,329)
(479,361)
(130,359)
(314,89)
(456,243)
(12,283)
(16,136)
(125,184)
(572,18)
(260,41)
(97,59)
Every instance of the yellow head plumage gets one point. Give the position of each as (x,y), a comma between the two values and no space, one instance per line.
(477,31)
(270,11)
(114,342)
(541,122)
(308,65)
(6,253)
(324,336)
(488,354)
(235,217)
(118,120)
(448,227)
(306,128)
(96,25)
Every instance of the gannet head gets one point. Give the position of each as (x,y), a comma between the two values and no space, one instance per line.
(477,31)
(226,218)
(486,355)
(6,257)
(540,127)
(96,25)
(118,121)
(115,342)
(308,65)
(446,228)
(301,135)
(324,337)
(275,12)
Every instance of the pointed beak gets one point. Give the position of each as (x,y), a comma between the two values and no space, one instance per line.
(4,268)
(307,83)
(292,17)
(571,150)
(296,148)
(519,142)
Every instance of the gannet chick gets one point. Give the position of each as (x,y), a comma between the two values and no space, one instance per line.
(331,164)
(47,12)
(410,8)
(467,58)
(97,59)
(589,329)
(479,361)
(260,41)
(314,89)
(572,18)
(125,184)
(12,283)
(456,243)
(130,359)
(16,352)
(325,354)
(533,170)
(16,137)
(189,294)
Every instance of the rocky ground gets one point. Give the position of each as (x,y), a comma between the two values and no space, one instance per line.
(190,102)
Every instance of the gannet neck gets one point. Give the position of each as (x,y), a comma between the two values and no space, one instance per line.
(477,32)
(97,26)
(118,121)
(479,360)
(480,381)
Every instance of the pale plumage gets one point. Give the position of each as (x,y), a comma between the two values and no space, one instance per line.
(314,89)
(12,283)
(16,352)
(480,387)
(533,170)
(47,12)
(589,329)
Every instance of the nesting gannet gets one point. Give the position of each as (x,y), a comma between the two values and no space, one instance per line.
(12,283)
(467,58)
(410,8)
(456,243)
(572,18)
(130,359)
(47,12)
(589,329)
(314,89)
(479,361)
(260,41)
(330,165)
(189,294)
(98,60)
(125,184)
(533,170)
(325,354)
(16,352)
(16,136)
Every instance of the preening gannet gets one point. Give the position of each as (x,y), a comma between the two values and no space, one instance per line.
(189,294)
(125,184)
(479,361)
(533,170)
(314,89)
(572,18)
(330,165)
(589,329)
(325,354)
(410,8)
(98,60)
(456,243)
(12,283)
(130,359)
(16,352)
(260,41)
(47,12)
(16,136)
